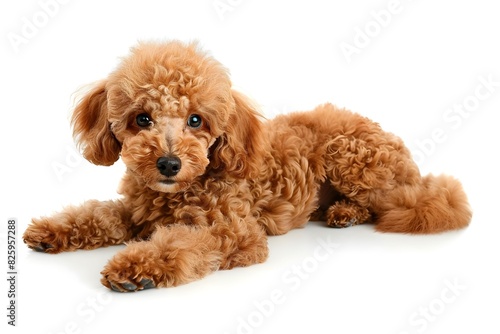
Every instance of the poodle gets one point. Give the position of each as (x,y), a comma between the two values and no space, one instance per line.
(208,179)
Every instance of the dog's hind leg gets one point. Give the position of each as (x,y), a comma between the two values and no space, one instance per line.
(337,210)
(346,213)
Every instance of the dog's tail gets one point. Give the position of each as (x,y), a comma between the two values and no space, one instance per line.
(438,204)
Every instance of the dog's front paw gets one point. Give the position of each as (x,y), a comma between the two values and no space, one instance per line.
(129,272)
(46,236)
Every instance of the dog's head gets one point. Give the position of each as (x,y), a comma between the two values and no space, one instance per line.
(170,112)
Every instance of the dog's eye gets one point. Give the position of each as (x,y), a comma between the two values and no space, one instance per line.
(143,120)
(194,121)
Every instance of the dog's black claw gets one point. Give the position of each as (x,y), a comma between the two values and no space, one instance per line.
(114,287)
(129,286)
(42,247)
(46,246)
(147,284)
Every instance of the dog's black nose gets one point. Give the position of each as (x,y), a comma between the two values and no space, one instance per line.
(169,166)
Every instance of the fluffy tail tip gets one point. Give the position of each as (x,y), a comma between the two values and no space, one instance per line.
(439,205)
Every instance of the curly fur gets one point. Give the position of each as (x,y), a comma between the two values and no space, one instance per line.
(241,178)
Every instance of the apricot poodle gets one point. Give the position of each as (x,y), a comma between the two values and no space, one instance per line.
(208,179)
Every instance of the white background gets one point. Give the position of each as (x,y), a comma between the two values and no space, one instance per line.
(428,57)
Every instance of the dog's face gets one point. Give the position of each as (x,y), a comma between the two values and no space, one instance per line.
(171,114)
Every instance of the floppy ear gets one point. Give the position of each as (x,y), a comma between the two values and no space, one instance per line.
(91,128)
(239,150)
